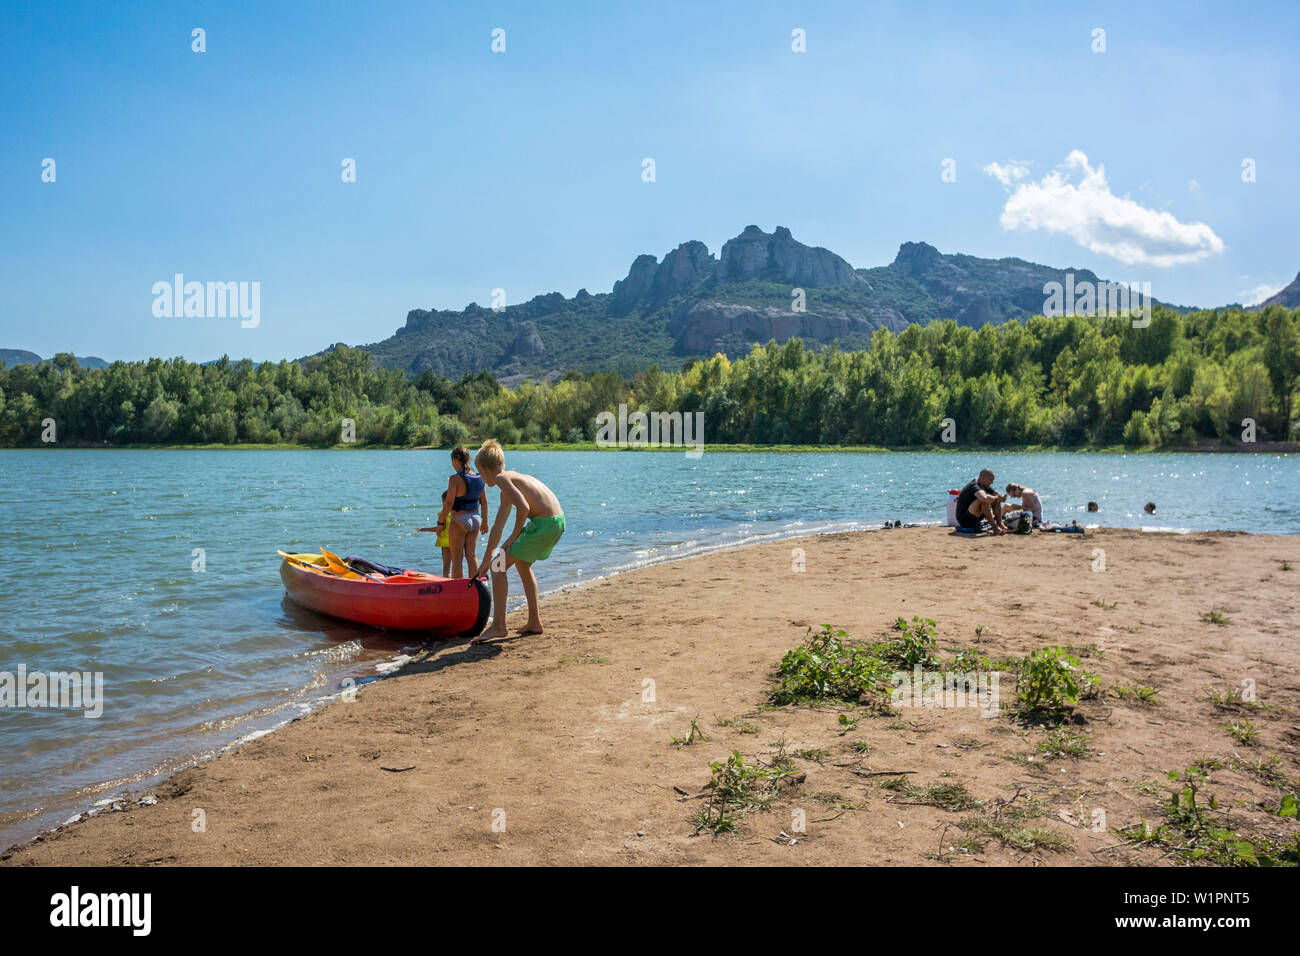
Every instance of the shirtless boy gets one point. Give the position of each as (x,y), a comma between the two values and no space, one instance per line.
(539,522)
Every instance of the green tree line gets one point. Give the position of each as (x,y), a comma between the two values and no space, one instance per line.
(1070,381)
(171,401)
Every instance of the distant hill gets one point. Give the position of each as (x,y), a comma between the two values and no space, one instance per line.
(1289,296)
(21,356)
(18,356)
(693,303)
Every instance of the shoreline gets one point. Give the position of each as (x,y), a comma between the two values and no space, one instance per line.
(1239,448)
(108,791)
(576,629)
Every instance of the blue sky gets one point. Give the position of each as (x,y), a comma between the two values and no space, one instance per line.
(522,170)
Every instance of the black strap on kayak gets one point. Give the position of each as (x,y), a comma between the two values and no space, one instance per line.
(362,566)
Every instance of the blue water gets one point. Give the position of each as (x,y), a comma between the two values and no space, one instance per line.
(98,549)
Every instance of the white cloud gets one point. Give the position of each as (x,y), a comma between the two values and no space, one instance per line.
(1006,175)
(1094,217)
(1261,292)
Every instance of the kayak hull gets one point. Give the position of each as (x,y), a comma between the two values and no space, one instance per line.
(454,607)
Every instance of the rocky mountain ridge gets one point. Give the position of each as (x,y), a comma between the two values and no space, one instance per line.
(760,286)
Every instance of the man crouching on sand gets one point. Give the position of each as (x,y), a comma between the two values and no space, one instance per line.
(535,504)
(977,501)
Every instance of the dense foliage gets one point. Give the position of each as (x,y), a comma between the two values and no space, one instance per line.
(172,401)
(1048,381)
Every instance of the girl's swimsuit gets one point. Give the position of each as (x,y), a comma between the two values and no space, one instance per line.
(465,509)
(469,520)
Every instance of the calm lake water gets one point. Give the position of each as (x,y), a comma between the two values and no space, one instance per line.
(98,548)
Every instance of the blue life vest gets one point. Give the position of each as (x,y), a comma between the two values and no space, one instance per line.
(473,492)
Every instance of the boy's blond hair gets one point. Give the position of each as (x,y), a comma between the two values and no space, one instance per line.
(490,456)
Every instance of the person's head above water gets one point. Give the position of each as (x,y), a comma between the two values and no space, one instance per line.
(490,461)
(986,478)
(1150,508)
(460,458)
(1092,506)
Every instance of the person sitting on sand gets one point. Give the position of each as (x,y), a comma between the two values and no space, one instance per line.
(535,504)
(468,511)
(1029,501)
(976,501)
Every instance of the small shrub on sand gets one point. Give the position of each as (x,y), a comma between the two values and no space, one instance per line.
(813,754)
(968,660)
(738,723)
(1008,820)
(1231,699)
(692,735)
(1025,839)
(916,644)
(1195,833)
(945,796)
(826,668)
(1062,743)
(1243,731)
(738,787)
(1138,693)
(1269,769)
(1051,680)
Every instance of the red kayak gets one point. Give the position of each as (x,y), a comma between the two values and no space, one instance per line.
(410,601)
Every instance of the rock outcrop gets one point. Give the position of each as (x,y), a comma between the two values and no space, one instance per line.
(544,304)
(682,270)
(629,291)
(528,343)
(916,258)
(754,254)
(779,257)
(704,327)
(650,282)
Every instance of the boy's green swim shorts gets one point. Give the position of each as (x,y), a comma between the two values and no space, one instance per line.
(538,538)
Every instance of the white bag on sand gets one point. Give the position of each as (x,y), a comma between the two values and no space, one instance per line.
(952,509)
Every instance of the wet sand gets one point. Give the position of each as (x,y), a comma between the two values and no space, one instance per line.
(556,749)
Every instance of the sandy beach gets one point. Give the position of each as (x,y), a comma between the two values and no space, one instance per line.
(558,749)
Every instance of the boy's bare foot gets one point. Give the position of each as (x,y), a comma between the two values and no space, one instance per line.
(490,635)
(532,627)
